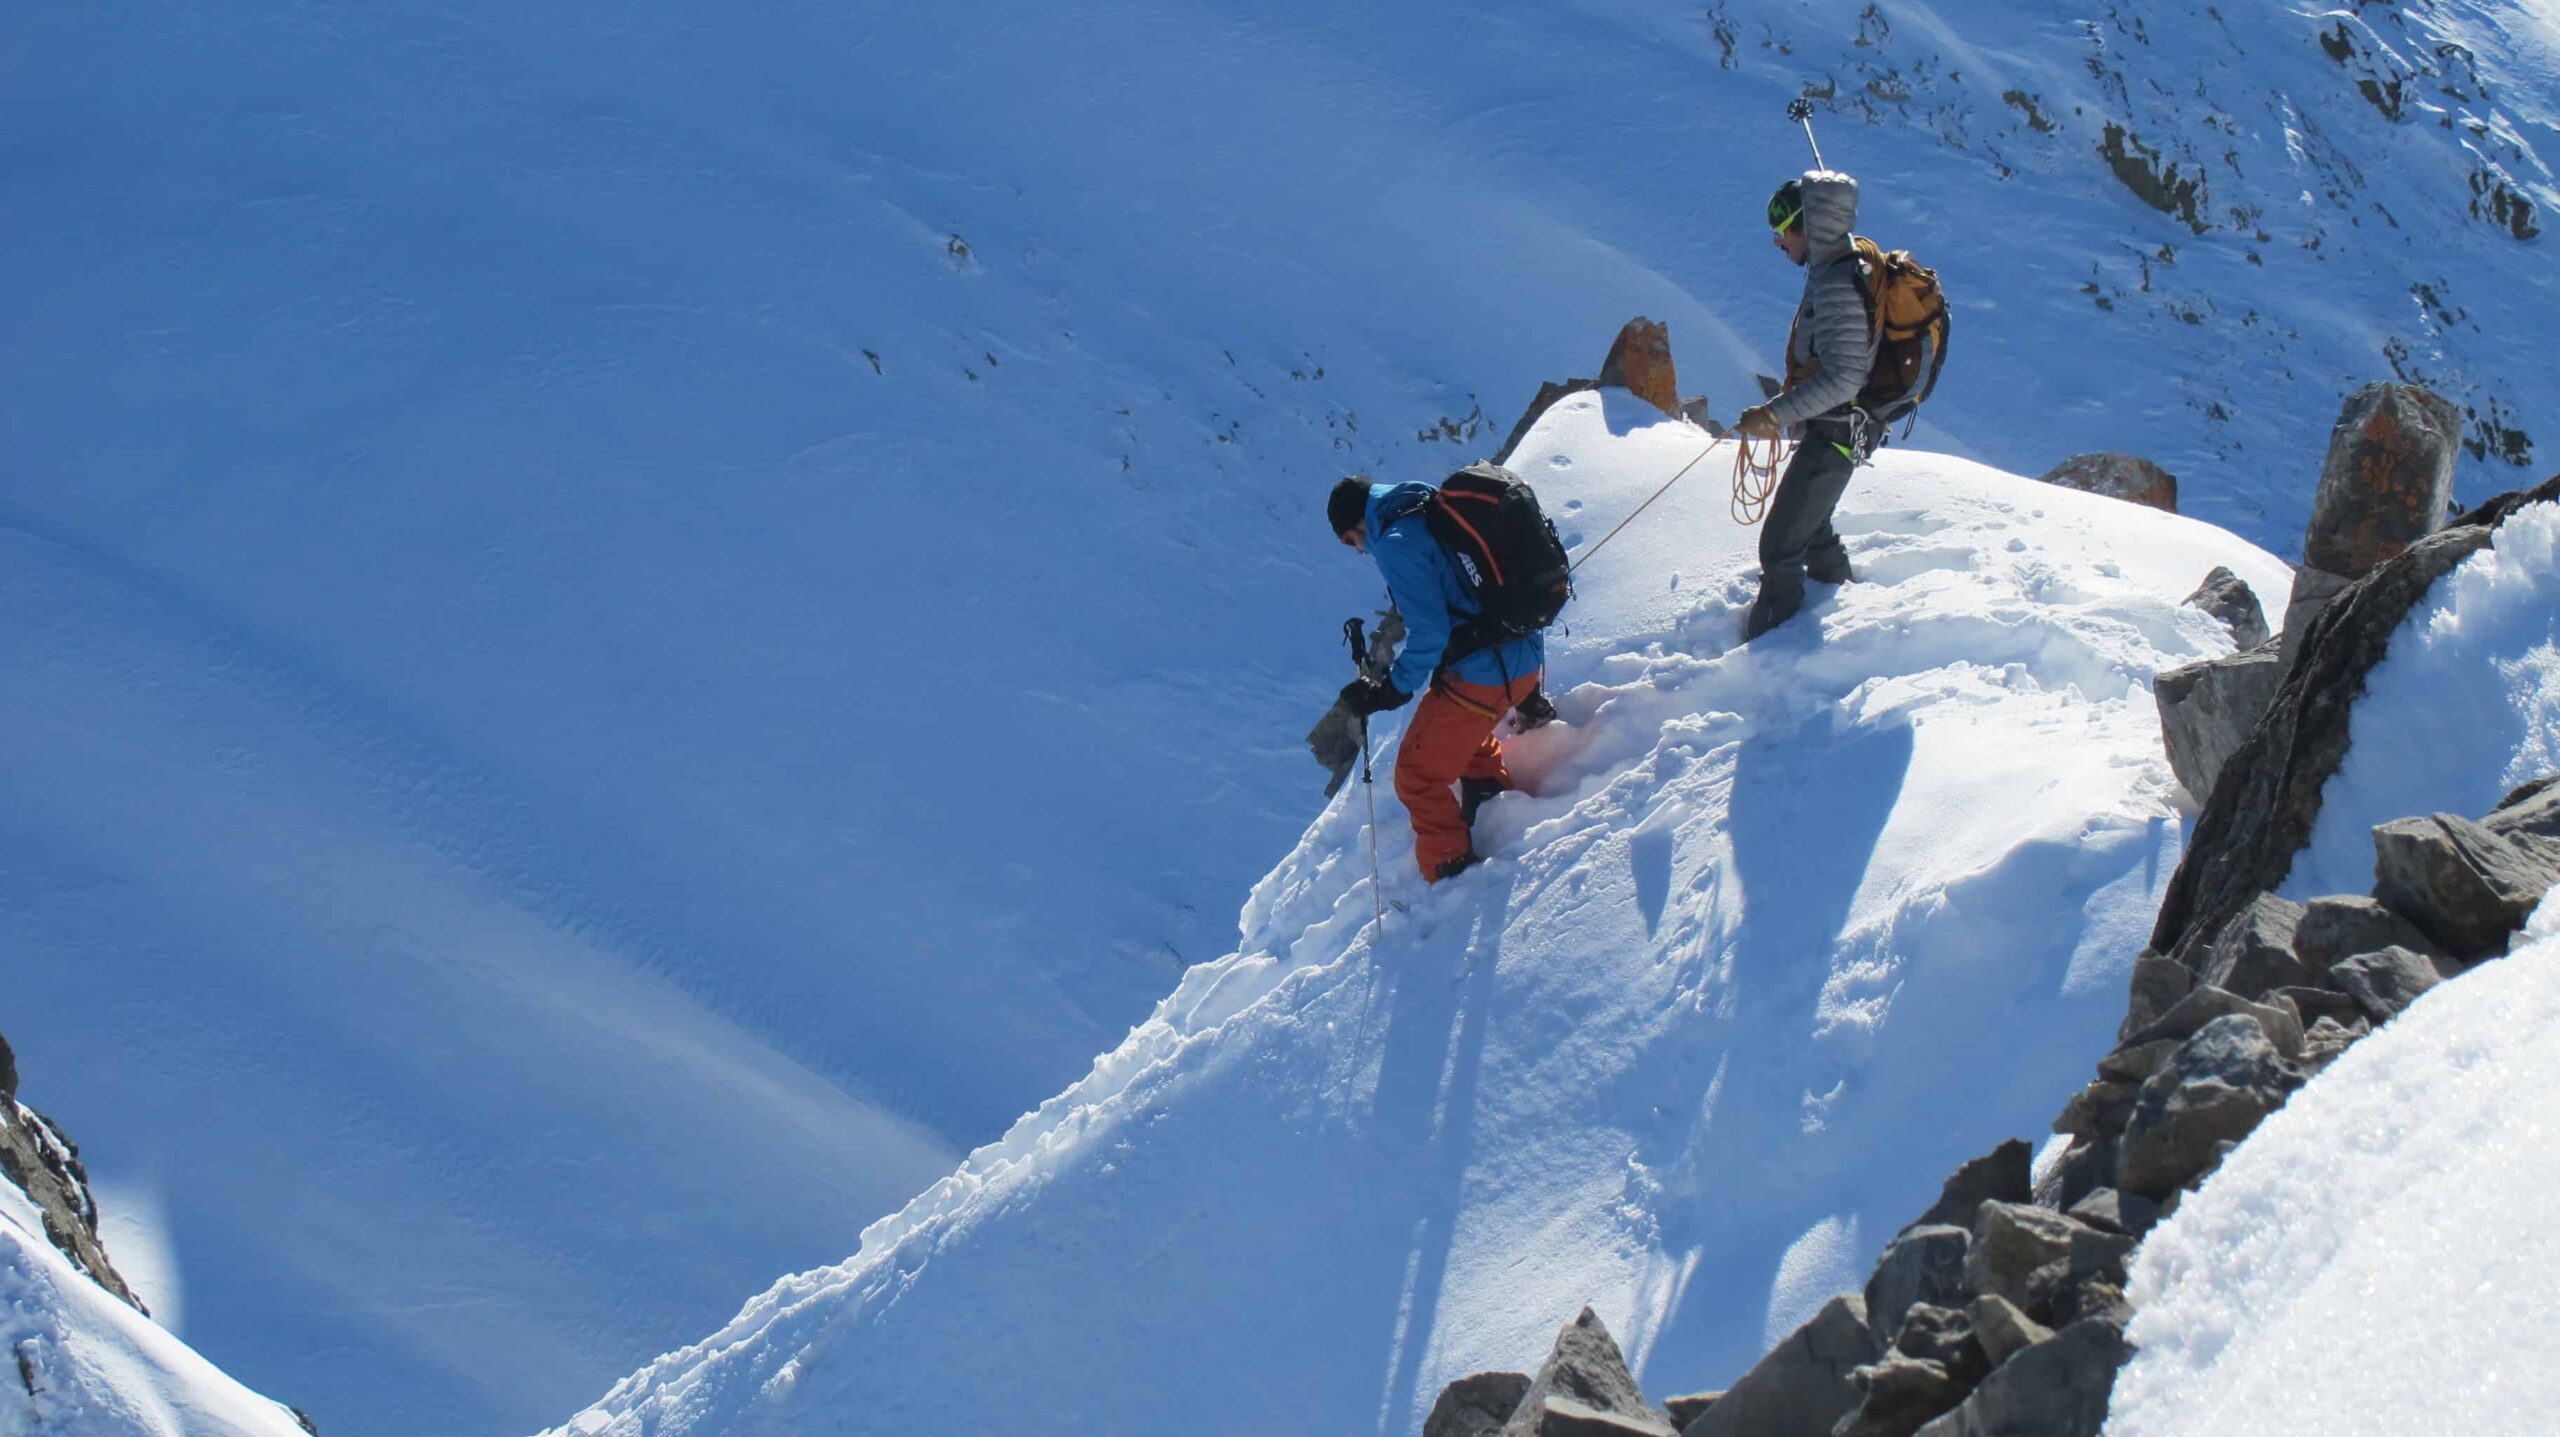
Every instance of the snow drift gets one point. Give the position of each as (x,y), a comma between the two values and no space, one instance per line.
(1784,933)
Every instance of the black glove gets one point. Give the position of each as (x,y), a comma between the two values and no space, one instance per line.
(1365,696)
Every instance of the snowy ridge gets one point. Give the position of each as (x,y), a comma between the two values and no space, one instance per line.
(1679,1050)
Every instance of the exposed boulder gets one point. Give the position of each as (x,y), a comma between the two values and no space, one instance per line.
(2004,1174)
(2384,983)
(1476,1406)
(2388,479)
(1897,1395)
(2312,591)
(1588,1372)
(2208,708)
(2464,884)
(2327,1038)
(2347,924)
(2315,1004)
(2098,1110)
(2136,1062)
(2118,476)
(8,1072)
(2036,1257)
(1689,1407)
(1564,1417)
(42,1162)
(1924,1266)
(2056,1388)
(1640,362)
(2253,954)
(2002,1329)
(2261,812)
(2218,1087)
(2207,1003)
(2108,1210)
(2228,597)
(1943,1335)
(1801,1389)
(2156,986)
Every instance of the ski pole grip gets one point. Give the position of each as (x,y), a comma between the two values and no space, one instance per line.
(1352,633)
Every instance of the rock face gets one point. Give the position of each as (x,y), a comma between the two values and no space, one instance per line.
(41,1162)
(1924,1265)
(2208,708)
(1802,1388)
(1476,1406)
(1584,1379)
(1640,362)
(2386,982)
(2348,924)
(2221,1084)
(2254,823)
(2388,481)
(2002,1175)
(2468,886)
(2057,1388)
(2253,954)
(2118,476)
(2228,597)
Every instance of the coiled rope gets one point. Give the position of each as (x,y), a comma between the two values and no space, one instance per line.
(1755,478)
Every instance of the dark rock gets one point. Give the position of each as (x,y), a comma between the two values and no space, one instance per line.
(2157,985)
(1925,1265)
(2315,1004)
(2218,1087)
(2056,1388)
(2262,810)
(1897,1395)
(2086,1166)
(2207,709)
(1564,1417)
(1943,1335)
(2532,809)
(2137,1062)
(8,1072)
(2206,1004)
(2347,924)
(2228,597)
(1548,393)
(2002,1329)
(38,1160)
(2118,1212)
(1690,1407)
(2029,1254)
(2098,1110)
(2004,1174)
(2253,954)
(2118,476)
(2384,983)
(2328,1038)
(2388,479)
(2312,591)
(1476,1406)
(2100,1298)
(2464,884)
(1640,362)
(1801,1389)
(1585,1368)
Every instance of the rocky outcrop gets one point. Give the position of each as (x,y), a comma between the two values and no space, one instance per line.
(1804,1385)
(2129,477)
(2228,597)
(2254,823)
(2469,886)
(2208,708)
(1585,1388)
(2387,483)
(1639,362)
(40,1161)
(1476,1406)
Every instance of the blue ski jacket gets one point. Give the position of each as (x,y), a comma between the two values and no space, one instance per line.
(1432,594)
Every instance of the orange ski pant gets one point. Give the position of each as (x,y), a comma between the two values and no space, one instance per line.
(1451,737)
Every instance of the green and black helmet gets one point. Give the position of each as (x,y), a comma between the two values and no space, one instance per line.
(1786,207)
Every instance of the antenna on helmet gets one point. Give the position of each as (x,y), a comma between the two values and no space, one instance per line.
(1800,110)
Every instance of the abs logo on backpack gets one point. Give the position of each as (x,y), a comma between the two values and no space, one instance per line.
(1491,523)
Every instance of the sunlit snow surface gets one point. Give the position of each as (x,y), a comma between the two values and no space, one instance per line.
(1787,932)
(2373,1261)
(75,1362)
(2464,706)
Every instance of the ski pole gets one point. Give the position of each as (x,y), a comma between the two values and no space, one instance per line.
(1351,632)
(1800,110)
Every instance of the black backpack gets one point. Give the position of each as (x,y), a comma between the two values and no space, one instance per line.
(1507,548)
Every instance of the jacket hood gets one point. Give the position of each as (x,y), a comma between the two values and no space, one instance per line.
(1830,213)
(1390,502)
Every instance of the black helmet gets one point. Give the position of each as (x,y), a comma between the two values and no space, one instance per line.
(1786,207)
(1347,507)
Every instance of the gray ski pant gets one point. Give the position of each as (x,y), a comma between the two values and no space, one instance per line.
(1797,534)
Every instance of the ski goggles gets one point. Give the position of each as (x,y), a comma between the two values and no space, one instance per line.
(1783,216)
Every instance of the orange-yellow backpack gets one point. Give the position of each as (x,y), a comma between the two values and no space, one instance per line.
(1907,331)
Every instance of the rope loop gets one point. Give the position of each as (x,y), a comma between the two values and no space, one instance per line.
(1755,478)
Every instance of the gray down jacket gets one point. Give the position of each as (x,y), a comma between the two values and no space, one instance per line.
(1831,320)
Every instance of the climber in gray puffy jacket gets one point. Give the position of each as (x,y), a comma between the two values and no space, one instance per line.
(1829,351)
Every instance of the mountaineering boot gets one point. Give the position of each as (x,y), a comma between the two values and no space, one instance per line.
(1473,794)
(1456,866)
(1535,711)
(1829,566)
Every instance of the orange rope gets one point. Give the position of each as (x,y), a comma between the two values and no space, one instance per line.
(1755,478)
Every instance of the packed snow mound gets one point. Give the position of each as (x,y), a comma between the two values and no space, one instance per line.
(75,1362)
(1776,936)
(2464,706)
(2369,1263)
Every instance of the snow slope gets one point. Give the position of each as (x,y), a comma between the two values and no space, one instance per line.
(624,630)
(2368,1263)
(1787,932)
(79,1363)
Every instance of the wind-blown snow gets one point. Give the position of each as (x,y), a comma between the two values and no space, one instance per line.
(2464,706)
(1786,932)
(97,1367)
(2371,1262)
